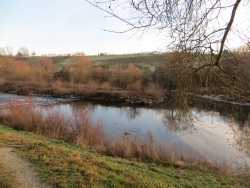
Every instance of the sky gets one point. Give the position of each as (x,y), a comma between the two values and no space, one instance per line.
(68,26)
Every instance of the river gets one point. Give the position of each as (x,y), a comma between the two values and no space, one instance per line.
(210,134)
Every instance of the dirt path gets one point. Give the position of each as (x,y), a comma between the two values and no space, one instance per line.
(22,170)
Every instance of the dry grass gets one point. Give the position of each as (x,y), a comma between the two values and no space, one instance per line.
(80,130)
(19,70)
(62,165)
(7,179)
(81,74)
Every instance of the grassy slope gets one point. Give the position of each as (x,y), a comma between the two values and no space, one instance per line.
(146,61)
(63,165)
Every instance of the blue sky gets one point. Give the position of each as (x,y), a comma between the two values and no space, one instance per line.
(66,26)
(62,26)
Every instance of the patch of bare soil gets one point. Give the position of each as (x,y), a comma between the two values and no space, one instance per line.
(21,169)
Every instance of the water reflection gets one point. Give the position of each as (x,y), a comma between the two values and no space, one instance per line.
(218,133)
(131,112)
(176,120)
(200,132)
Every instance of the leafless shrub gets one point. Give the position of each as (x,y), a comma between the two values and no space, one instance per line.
(79,129)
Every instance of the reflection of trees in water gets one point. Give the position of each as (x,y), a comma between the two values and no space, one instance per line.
(242,134)
(245,138)
(177,119)
(242,117)
(131,112)
(236,116)
(239,113)
(83,106)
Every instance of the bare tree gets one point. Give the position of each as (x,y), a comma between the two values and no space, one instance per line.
(192,24)
(24,52)
(2,52)
(6,51)
(199,30)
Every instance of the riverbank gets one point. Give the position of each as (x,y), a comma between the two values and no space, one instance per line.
(84,92)
(135,132)
(151,99)
(64,165)
(141,81)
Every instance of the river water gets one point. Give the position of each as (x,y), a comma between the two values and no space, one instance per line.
(213,135)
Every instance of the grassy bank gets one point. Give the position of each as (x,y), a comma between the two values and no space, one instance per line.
(63,165)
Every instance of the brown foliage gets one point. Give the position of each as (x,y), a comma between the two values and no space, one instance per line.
(80,70)
(78,75)
(123,77)
(79,129)
(18,70)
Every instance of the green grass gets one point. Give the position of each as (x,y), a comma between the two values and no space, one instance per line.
(63,165)
(146,61)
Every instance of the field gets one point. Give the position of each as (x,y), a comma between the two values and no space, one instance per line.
(148,61)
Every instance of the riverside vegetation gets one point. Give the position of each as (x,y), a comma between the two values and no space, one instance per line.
(76,152)
(129,79)
(80,130)
(63,165)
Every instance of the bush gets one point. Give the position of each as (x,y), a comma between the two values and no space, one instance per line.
(79,129)
(122,78)
(79,71)
(18,70)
